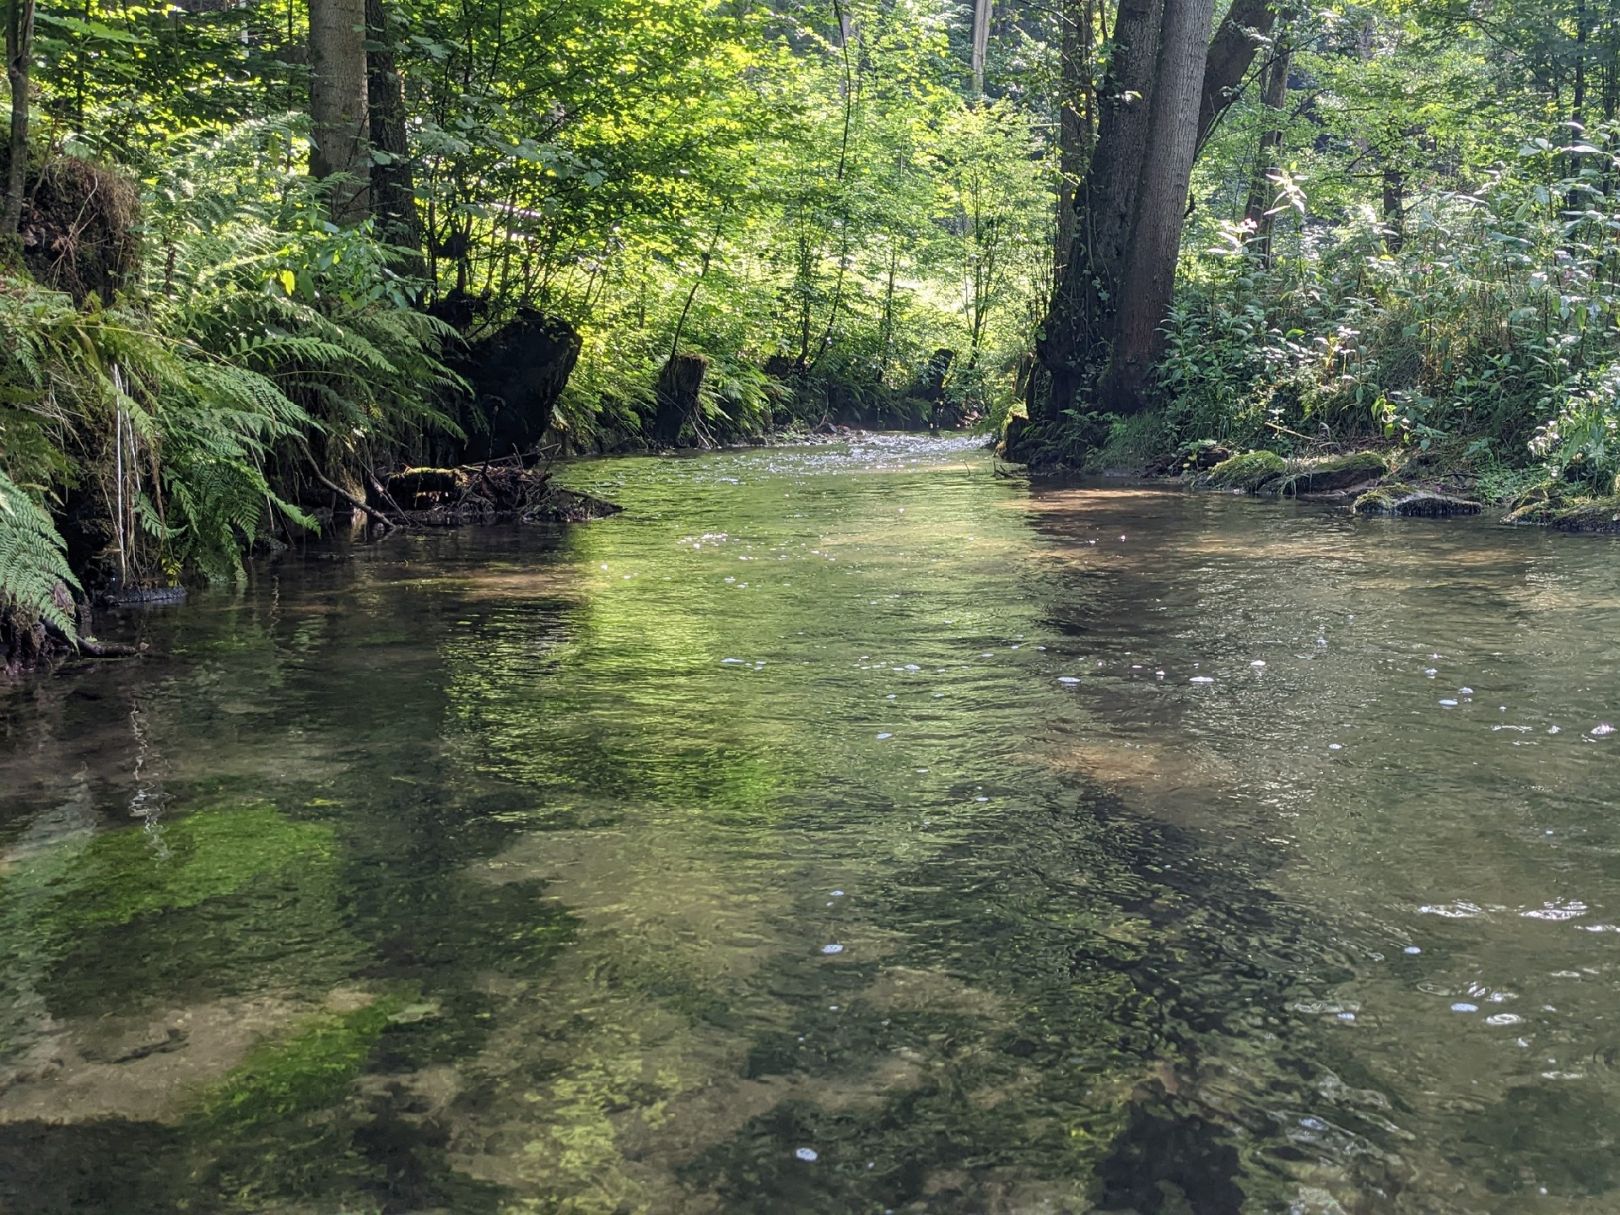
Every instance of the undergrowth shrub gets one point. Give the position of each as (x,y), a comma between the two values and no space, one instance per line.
(1495,318)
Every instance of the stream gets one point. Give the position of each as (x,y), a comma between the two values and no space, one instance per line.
(839,829)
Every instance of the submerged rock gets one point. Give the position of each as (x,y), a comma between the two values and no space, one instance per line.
(1570,514)
(1407,500)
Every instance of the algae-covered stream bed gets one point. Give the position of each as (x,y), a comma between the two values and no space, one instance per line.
(842,829)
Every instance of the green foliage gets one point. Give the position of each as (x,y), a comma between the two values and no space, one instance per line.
(1494,320)
(33,559)
(254,330)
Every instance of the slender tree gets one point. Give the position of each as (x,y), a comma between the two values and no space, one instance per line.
(19,56)
(393,187)
(1258,216)
(338,105)
(981,43)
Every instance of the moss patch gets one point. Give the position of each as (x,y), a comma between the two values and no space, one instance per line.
(1333,473)
(1249,472)
(306,1072)
(1398,498)
(122,876)
(1571,514)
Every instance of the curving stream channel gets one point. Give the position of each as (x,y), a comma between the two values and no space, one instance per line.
(842,829)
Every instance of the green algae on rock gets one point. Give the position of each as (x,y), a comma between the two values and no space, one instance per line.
(1398,498)
(1250,472)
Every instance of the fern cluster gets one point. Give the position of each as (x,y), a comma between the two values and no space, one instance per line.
(256,337)
(33,559)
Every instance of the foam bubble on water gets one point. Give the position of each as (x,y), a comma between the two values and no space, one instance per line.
(808,1155)
(1449,703)
(1465,691)
(1068,679)
(1335,746)
(1603,729)
(1258,664)
(835,947)
(726,662)
(884,735)
(1202,679)
(1463,1006)
(838,894)
(1430,672)
(1412,949)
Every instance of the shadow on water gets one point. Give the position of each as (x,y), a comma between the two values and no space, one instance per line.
(837,830)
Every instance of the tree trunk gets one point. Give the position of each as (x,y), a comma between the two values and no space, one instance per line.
(337,105)
(678,389)
(393,188)
(1245,27)
(1150,277)
(1394,208)
(1257,216)
(19,57)
(1085,300)
(1077,120)
(981,43)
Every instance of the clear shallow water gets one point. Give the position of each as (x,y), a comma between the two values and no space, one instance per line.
(749,853)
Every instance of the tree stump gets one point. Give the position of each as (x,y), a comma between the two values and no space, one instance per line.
(677,391)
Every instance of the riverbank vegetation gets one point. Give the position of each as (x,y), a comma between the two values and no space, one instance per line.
(258,256)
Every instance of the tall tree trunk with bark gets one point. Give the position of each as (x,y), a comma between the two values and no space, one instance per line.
(1085,301)
(1149,281)
(337,105)
(19,58)
(1077,119)
(393,187)
(1245,28)
(1102,328)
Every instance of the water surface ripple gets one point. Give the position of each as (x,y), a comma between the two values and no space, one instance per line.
(842,829)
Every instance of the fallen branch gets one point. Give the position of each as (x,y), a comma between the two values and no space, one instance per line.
(376,516)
